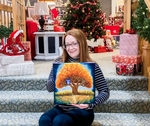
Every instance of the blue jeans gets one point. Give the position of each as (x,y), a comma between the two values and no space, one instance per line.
(58,117)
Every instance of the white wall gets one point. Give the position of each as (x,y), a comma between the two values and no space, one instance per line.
(114,5)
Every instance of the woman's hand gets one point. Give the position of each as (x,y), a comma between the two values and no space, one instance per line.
(81,106)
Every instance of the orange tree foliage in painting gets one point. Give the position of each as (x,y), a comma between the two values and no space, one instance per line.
(77,74)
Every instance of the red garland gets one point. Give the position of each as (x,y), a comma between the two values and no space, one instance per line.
(95,27)
(86,18)
(79,5)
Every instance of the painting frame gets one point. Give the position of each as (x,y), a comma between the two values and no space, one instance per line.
(74,83)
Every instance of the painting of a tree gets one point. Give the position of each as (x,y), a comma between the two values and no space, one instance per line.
(79,77)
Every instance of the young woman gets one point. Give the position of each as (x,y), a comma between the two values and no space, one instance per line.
(75,49)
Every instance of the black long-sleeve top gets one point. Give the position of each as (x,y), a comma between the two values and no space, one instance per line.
(100,84)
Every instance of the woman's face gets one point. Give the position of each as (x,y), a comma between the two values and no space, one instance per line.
(72,46)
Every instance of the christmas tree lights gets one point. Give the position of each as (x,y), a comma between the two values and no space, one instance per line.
(87,16)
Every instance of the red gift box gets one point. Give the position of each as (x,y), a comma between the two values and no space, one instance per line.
(59,28)
(99,49)
(118,58)
(127,59)
(27,55)
(125,69)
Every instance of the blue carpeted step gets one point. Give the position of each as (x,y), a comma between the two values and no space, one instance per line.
(130,83)
(39,101)
(21,83)
(101,119)
(122,119)
(126,102)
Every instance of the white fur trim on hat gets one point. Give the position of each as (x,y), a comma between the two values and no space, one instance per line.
(17,33)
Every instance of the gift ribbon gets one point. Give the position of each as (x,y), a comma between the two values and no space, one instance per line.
(123,68)
(130,69)
(130,31)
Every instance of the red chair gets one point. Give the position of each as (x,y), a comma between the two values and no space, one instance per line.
(31,27)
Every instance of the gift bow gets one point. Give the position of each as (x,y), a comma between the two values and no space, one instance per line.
(130,31)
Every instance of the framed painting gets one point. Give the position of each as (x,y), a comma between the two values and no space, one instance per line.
(74,83)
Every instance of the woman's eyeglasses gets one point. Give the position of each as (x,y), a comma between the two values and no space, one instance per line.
(67,46)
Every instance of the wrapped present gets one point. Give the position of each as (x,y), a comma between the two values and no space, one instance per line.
(99,49)
(128,44)
(99,42)
(118,21)
(127,59)
(59,28)
(125,69)
(117,59)
(27,55)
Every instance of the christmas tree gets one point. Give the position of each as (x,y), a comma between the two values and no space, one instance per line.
(87,16)
(141,22)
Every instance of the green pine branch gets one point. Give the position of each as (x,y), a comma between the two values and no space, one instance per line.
(141,22)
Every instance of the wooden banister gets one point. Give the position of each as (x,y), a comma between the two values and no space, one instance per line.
(148,69)
(147,3)
(14,9)
(127,15)
(5,8)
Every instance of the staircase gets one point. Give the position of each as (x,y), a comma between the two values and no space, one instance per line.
(24,98)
